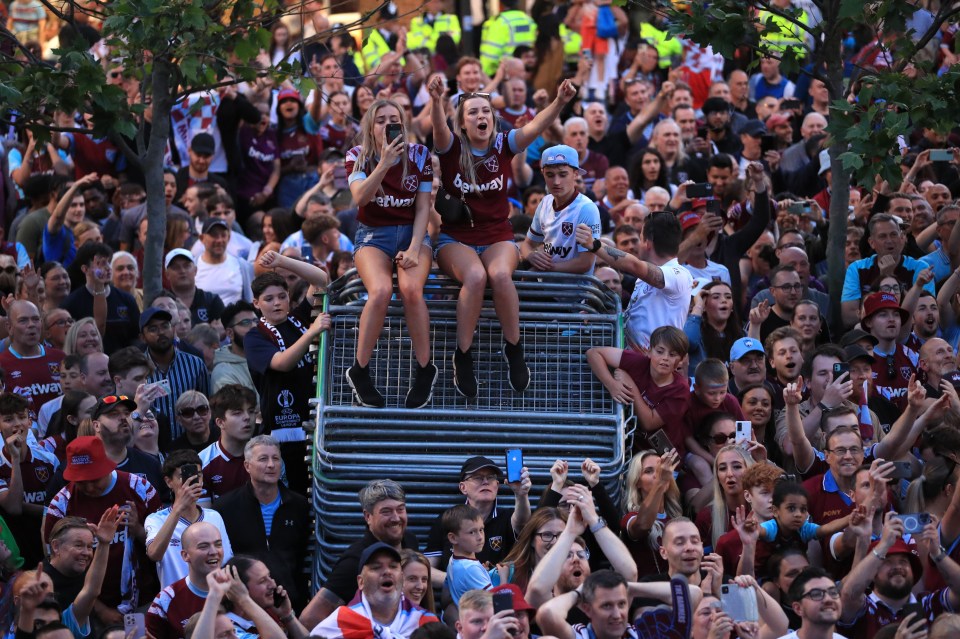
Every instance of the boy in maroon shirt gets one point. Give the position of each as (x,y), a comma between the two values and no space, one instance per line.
(652,384)
(234,410)
(711,381)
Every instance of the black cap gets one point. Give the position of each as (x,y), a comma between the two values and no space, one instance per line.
(212,223)
(373,549)
(855,335)
(715,105)
(203,143)
(107,403)
(331,153)
(855,351)
(153,313)
(474,464)
(753,128)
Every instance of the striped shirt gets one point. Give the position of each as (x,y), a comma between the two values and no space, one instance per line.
(186,372)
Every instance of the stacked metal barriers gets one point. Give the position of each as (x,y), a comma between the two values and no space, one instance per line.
(565,413)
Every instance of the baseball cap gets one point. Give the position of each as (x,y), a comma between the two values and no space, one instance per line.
(900,547)
(153,313)
(689,220)
(474,464)
(855,351)
(753,128)
(332,154)
(177,252)
(855,335)
(203,144)
(87,460)
(743,346)
(289,94)
(519,603)
(777,119)
(372,550)
(824,161)
(876,302)
(212,223)
(107,403)
(715,105)
(389,11)
(559,155)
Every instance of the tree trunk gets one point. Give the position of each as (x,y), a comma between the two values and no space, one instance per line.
(153,176)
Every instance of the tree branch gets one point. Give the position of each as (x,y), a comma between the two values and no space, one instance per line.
(769,8)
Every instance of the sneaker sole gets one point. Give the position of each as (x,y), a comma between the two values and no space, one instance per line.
(503,351)
(436,373)
(457,386)
(356,395)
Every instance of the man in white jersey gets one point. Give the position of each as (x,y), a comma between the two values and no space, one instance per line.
(662,296)
(551,242)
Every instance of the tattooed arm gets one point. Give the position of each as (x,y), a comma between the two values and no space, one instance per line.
(621,260)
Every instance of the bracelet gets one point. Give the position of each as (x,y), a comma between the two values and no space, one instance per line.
(288,618)
(578,594)
(878,555)
(99,293)
(940,557)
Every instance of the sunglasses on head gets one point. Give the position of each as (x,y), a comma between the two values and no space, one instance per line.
(467,96)
(113,399)
(190,411)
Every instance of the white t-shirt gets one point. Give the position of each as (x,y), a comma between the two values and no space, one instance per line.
(650,308)
(557,230)
(172,567)
(705,275)
(224,279)
(46,413)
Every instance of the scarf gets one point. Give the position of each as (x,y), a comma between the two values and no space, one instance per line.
(356,620)
(273,333)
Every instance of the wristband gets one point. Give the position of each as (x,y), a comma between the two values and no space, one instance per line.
(940,557)
(596,245)
(597,525)
(882,557)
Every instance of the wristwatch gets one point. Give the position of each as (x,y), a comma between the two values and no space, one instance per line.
(596,245)
(136,416)
(940,557)
(600,523)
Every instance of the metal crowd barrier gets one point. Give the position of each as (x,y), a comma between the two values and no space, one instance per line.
(566,413)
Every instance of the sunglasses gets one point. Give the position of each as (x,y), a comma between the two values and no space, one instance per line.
(244,323)
(113,399)
(9,270)
(467,96)
(723,438)
(190,411)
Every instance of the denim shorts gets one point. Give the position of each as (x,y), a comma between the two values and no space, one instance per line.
(389,239)
(443,240)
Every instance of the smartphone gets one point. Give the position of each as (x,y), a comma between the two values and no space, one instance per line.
(840,368)
(704,189)
(453,87)
(768,143)
(790,104)
(915,608)
(914,523)
(514,464)
(799,208)
(744,431)
(393,131)
(660,441)
(902,470)
(739,603)
(187,471)
(587,54)
(278,599)
(502,600)
(941,155)
(713,206)
(164,385)
(306,253)
(134,625)
(340,178)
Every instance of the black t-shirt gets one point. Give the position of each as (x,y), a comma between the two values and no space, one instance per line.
(148,467)
(65,588)
(284,396)
(342,581)
(206,307)
(498,530)
(123,316)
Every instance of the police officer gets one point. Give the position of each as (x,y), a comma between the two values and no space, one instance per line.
(504,33)
(426,28)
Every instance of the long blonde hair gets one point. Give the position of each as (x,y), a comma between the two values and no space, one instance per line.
(720,517)
(468,163)
(633,500)
(366,159)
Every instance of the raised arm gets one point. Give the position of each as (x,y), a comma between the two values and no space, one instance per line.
(855,584)
(908,426)
(532,130)
(55,223)
(104,532)
(799,446)
(306,271)
(547,572)
(615,551)
(442,136)
(238,594)
(552,615)
(624,262)
(365,189)
(652,504)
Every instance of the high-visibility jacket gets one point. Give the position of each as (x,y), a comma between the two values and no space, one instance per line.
(667,46)
(783,33)
(423,35)
(572,44)
(502,34)
(374,48)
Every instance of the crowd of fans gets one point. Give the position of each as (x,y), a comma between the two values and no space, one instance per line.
(789,475)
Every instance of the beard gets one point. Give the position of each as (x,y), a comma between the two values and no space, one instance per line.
(8,283)
(893,592)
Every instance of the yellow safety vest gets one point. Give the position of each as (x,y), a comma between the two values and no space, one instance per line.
(373,50)
(424,36)
(503,34)
(572,44)
(784,34)
(667,46)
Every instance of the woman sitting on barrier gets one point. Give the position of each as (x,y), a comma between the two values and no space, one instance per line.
(476,240)
(391,182)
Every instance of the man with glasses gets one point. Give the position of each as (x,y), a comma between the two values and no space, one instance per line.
(480,482)
(894,568)
(816,600)
(178,371)
(895,364)
(787,290)
(230,361)
(747,364)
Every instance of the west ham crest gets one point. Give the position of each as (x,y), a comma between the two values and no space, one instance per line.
(202,314)
(906,372)
(496,543)
(492,164)
(42,473)
(566,228)
(411,182)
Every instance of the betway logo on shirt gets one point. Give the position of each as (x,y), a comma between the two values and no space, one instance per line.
(389,201)
(37,389)
(560,251)
(466,187)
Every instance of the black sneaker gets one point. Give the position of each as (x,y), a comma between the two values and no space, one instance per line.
(363,389)
(519,375)
(463,378)
(422,390)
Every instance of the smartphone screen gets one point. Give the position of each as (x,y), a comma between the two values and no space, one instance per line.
(340,178)
(393,131)
(514,464)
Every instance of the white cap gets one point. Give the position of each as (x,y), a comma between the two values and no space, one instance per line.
(177,252)
(824,161)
